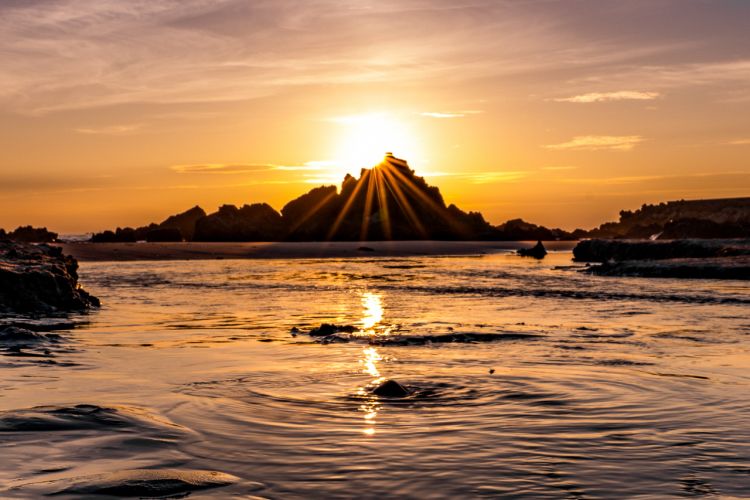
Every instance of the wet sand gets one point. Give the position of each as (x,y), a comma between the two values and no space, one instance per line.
(101,252)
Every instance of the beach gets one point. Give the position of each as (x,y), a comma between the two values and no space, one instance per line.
(85,251)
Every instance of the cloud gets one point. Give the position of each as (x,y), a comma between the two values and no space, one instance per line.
(458,114)
(622,95)
(495,177)
(221,168)
(739,142)
(598,142)
(241,168)
(111,129)
(556,168)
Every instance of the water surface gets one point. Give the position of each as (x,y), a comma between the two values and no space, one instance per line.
(624,387)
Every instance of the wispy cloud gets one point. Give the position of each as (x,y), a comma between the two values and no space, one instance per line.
(111,129)
(598,142)
(221,168)
(621,95)
(241,168)
(739,142)
(495,177)
(556,168)
(457,114)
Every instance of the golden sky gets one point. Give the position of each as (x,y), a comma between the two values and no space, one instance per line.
(563,113)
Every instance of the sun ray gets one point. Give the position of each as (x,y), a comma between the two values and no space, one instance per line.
(403,201)
(368,206)
(312,212)
(385,219)
(346,207)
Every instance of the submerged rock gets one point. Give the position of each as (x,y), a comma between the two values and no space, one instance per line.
(39,278)
(329,329)
(391,389)
(537,251)
(81,417)
(151,483)
(462,338)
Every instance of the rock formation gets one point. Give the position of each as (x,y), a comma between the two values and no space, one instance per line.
(257,222)
(537,251)
(386,202)
(39,279)
(722,218)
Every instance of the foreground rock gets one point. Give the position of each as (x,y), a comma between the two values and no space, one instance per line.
(142,483)
(391,389)
(602,250)
(724,268)
(693,259)
(40,279)
(537,251)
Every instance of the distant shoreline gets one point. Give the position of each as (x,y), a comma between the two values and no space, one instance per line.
(100,252)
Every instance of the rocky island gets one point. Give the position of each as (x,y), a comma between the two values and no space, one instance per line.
(39,279)
(386,202)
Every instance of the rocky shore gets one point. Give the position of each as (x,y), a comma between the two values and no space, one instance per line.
(689,258)
(40,279)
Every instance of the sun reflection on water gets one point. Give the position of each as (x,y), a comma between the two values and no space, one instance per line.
(372,319)
(373,312)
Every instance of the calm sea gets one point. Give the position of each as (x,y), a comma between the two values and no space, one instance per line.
(617,388)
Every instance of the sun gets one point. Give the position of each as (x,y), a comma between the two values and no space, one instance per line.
(364,140)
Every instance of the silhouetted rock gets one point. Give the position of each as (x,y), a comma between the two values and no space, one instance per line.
(256,222)
(3,234)
(720,218)
(309,217)
(185,222)
(386,202)
(390,389)
(537,251)
(150,483)
(697,258)
(520,230)
(329,329)
(28,234)
(716,268)
(120,235)
(39,278)
(164,234)
(600,250)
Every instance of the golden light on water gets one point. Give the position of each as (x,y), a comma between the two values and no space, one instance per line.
(372,318)
(370,361)
(373,311)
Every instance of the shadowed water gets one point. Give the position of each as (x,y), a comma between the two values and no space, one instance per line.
(551,383)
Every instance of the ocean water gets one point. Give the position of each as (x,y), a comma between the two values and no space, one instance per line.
(594,388)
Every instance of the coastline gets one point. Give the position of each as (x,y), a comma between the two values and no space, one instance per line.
(100,252)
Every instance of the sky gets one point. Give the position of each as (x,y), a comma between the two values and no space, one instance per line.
(119,113)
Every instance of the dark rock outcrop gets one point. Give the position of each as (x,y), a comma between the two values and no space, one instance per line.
(164,234)
(329,329)
(40,279)
(390,389)
(721,218)
(600,250)
(151,483)
(520,230)
(29,234)
(386,202)
(723,268)
(256,222)
(537,251)
(697,258)
(184,222)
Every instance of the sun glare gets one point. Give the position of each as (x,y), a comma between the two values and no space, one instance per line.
(365,139)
